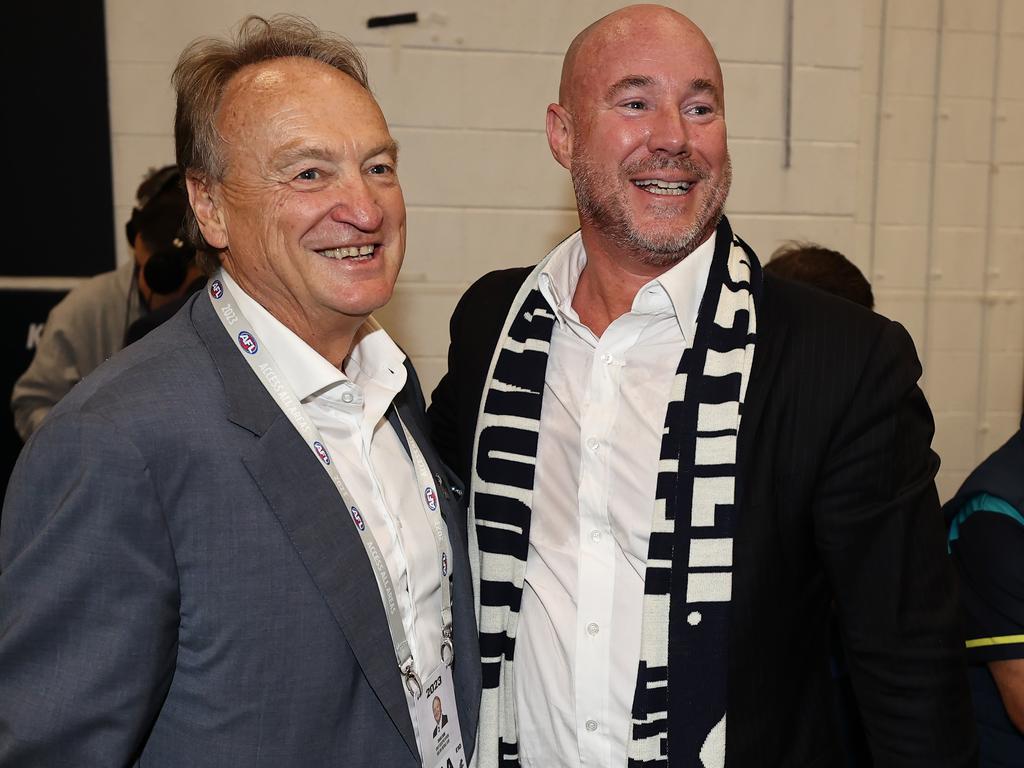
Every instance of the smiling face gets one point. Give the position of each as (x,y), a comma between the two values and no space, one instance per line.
(642,129)
(309,211)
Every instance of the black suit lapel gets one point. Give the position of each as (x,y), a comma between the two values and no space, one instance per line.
(771,338)
(309,509)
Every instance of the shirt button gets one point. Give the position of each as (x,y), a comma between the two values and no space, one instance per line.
(606,358)
(593,444)
(595,536)
(347,397)
(591,725)
(592,629)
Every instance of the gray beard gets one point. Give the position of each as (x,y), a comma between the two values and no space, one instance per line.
(609,216)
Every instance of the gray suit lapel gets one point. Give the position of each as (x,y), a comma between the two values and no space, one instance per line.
(308,507)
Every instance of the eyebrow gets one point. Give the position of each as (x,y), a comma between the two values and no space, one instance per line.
(294,152)
(387,148)
(698,85)
(626,83)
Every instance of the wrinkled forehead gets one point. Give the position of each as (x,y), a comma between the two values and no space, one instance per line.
(291,93)
(663,50)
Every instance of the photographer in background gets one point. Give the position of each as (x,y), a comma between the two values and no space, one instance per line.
(90,323)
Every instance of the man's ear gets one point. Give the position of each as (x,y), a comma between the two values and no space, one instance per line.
(207,211)
(560,132)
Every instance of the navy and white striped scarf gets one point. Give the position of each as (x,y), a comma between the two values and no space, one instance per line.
(695,486)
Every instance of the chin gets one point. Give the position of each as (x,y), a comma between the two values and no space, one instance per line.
(364,306)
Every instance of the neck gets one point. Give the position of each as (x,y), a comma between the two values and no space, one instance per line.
(330,334)
(609,283)
(333,347)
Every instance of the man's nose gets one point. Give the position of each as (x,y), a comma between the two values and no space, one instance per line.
(356,204)
(669,133)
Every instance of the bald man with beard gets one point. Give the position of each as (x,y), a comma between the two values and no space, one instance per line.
(677,464)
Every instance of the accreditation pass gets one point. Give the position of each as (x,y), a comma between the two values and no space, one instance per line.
(438,719)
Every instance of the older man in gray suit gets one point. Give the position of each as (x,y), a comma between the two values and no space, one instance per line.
(232,545)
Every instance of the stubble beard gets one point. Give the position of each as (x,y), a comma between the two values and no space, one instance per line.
(606,210)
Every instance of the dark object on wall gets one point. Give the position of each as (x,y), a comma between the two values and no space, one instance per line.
(390,21)
(57,168)
(57,172)
(24,315)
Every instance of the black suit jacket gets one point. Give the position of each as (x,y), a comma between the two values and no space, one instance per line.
(837,503)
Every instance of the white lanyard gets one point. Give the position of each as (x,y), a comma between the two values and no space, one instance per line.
(267,371)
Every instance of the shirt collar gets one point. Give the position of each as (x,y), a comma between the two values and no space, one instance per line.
(376,359)
(558,280)
(374,355)
(677,291)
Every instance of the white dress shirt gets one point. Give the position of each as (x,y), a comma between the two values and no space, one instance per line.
(603,414)
(349,407)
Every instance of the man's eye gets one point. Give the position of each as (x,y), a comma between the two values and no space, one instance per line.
(380,169)
(700,109)
(634,104)
(310,174)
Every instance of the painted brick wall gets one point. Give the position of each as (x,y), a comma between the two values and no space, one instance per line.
(906,155)
(940,220)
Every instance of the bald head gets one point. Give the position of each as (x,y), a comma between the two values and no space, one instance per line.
(640,124)
(634,22)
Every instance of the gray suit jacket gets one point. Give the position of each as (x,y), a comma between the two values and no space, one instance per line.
(181,586)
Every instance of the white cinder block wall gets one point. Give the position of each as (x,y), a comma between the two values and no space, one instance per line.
(940,219)
(906,153)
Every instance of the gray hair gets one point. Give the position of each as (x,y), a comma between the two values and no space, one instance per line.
(208,64)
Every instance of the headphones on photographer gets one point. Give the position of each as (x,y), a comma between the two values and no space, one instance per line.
(166,269)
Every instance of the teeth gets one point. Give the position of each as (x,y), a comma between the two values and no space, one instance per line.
(659,187)
(348,253)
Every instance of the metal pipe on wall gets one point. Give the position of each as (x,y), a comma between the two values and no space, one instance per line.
(876,159)
(929,276)
(989,271)
(787,89)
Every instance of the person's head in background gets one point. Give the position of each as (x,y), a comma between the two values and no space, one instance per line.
(822,268)
(164,259)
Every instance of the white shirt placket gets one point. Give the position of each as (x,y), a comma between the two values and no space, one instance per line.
(596,571)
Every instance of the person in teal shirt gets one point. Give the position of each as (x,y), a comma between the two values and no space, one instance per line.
(986,541)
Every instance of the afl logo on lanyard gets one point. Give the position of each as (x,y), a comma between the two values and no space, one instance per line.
(358,519)
(431,498)
(216,289)
(247,342)
(444,563)
(325,457)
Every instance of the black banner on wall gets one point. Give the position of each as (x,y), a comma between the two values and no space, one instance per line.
(59,215)
(23,324)
(57,160)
